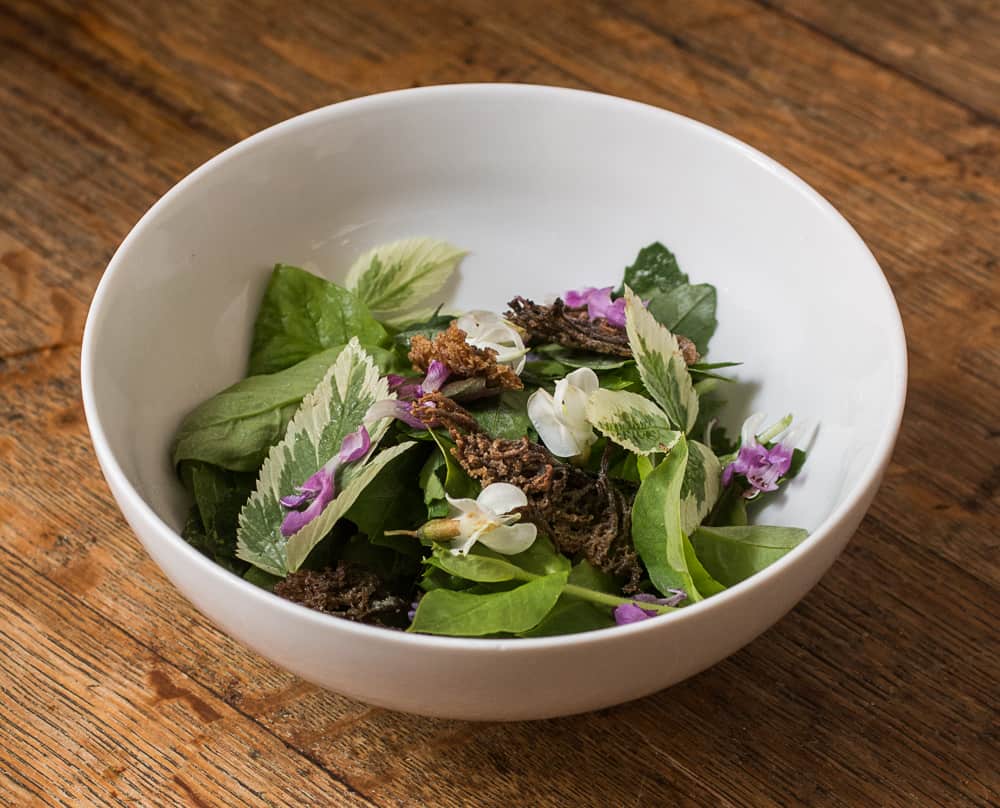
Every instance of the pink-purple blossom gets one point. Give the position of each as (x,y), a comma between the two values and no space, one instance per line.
(762,467)
(408,389)
(633,612)
(318,491)
(599,304)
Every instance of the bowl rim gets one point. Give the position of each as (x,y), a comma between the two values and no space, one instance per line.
(863,485)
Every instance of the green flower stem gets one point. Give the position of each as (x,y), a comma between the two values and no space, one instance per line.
(776,429)
(600,598)
(612,600)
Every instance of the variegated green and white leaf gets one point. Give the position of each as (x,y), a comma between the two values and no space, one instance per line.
(701,487)
(333,410)
(631,421)
(396,277)
(352,480)
(661,364)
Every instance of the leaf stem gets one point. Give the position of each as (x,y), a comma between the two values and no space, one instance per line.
(593,596)
(612,600)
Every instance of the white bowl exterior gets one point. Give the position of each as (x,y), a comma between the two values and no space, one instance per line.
(550,189)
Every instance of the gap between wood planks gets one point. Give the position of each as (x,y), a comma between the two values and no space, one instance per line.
(978,115)
(705,58)
(167,689)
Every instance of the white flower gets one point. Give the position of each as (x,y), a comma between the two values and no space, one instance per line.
(561,419)
(485,329)
(488,520)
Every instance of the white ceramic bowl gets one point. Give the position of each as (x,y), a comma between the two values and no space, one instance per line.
(549,189)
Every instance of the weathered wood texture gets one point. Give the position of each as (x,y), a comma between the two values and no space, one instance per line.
(879,689)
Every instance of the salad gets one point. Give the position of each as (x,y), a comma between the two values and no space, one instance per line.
(546,468)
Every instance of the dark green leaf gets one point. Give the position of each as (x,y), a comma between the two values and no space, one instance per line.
(392,502)
(235,428)
(218,496)
(260,578)
(579,359)
(655,270)
(504,416)
(732,554)
(429,328)
(457,482)
(303,314)
(391,565)
(687,310)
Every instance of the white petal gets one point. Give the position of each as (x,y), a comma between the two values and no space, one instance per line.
(542,409)
(585,379)
(574,406)
(748,435)
(800,435)
(462,546)
(510,540)
(460,507)
(501,498)
(547,421)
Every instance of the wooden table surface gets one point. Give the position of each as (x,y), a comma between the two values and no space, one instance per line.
(880,688)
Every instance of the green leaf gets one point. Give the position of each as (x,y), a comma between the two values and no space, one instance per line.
(392,502)
(661,364)
(396,277)
(571,615)
(631,421)
(260,578)
(218,495)
(505,415)
(462,614)
(475,567)
(333,410)
(732,554)
(656,524)
(303,314)
(541,558)
(655,270)
(579,359)
(235,428)
(689,310)
(703,582)
(701,487)
(457,482)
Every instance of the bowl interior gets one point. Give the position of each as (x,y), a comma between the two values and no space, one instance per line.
(549,190)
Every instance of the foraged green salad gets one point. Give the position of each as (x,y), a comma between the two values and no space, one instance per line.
(553,469)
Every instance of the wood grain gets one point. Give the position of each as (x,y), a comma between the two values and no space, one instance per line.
(879,689)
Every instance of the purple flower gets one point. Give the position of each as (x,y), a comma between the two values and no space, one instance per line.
(409,390)
(317,492)
(677,597)
(394,408)
(633,613)
(437,374)
(761,466)
(599,304)
(630,613)
(577,299)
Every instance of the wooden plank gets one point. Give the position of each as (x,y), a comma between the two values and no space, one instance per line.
(952,48)
(90,716)
(874,691)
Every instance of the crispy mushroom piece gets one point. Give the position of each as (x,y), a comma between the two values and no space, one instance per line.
(573,328)
(463,360)
(346,590)
(580,512)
